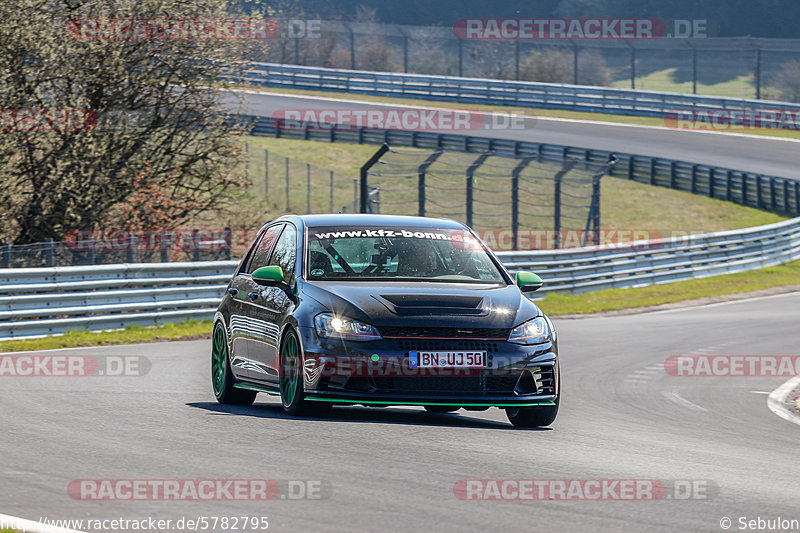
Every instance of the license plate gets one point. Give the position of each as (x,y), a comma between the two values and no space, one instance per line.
(449,359)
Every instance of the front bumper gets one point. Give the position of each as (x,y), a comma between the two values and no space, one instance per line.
(378,373)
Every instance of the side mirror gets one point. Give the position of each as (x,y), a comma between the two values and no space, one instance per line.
(528,281)
(269,276)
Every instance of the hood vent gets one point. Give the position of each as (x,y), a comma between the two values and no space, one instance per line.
(433,304)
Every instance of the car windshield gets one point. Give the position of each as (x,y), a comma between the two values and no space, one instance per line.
(414,254)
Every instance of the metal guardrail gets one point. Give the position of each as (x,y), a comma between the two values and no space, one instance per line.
(501,92)
(44,301)
(771,193)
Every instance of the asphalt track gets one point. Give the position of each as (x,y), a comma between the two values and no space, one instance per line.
(763,155)
(622,417)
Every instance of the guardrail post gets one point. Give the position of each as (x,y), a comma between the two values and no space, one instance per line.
(693,180)
(711,182)
(728,186)
(772,200)
(653,171)
(786,196)
(672,174)
(797,197)
(5,255)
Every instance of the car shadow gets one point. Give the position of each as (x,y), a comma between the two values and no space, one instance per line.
(359,414)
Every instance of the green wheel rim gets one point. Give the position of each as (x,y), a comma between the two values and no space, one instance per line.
(290,381)
(218,352)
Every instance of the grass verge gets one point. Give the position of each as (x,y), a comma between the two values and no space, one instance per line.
(187,330)
(717,286)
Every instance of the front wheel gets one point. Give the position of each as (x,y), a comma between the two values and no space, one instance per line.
(221,375)
(532,417)
(291,381)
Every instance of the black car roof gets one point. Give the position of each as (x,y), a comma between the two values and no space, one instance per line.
(367,220)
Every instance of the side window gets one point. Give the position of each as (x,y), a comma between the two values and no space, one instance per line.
(285,253)
(260,254)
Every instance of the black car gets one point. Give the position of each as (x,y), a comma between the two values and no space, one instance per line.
(383,310)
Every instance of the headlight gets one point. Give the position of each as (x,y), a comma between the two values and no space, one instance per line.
(329,326)
(531,332)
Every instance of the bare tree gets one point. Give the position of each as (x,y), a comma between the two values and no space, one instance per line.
(156,118)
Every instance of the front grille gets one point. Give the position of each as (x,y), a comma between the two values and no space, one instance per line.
(446,333)
(478,384)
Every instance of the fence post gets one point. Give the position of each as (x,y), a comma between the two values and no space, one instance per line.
(575,63)
(516,60)
(364,207)
(164,254)
(772,200)
(288,208)
(470,182)
(515,200)
(653,171)
(49,252)
(331,205)
(5,255)
(631,161)
(266,175)
(693,181)
(758,72)
(308,188)
(786,196)
(568,165)
(672,174)
(129,252)
(228,244)
(758,191)
(694,66)
(460,58)
(195,246)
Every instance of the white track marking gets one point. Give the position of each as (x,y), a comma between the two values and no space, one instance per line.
(676,398)
(776,400)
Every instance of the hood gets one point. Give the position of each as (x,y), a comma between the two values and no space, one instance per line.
(425,304)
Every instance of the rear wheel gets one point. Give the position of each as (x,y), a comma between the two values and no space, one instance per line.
(221,375)
(291,381)
(532,417)
(441,408)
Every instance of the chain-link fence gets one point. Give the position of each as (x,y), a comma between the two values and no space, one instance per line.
(741,67)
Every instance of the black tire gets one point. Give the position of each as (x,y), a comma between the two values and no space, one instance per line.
(222,380)
(532,417)
(291,381)
(441,408)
